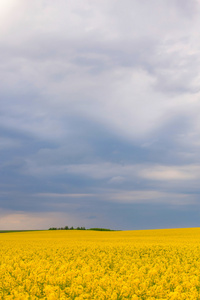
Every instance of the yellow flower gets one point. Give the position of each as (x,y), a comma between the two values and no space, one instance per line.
(152,264)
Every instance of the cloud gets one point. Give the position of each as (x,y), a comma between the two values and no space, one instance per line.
(117,179)
(11,220)
(171,173)
(6,143)
(122,196)
(56,195)
(81,72)
(151,196)
(99,104)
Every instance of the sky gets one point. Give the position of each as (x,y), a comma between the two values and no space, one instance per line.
(99,114)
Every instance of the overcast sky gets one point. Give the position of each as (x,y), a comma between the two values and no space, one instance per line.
(99,114)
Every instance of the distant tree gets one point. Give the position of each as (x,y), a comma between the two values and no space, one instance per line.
(72,228)
(101,229)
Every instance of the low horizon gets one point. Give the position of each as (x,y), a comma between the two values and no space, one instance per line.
(95,229)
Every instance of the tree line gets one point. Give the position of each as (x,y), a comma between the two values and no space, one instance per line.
(67,228)
(79,228)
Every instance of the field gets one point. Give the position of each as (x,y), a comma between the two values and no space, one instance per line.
(146,264)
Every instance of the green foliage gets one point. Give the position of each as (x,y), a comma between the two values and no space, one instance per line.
(67,228)
(100,229)
(80,228)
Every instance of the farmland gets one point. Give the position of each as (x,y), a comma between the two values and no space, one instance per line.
(146,264)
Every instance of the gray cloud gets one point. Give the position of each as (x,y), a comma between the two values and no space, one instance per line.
(100,110)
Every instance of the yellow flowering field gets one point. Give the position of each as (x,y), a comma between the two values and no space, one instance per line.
(145,264)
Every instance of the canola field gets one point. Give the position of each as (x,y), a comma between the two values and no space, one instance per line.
(146,264)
